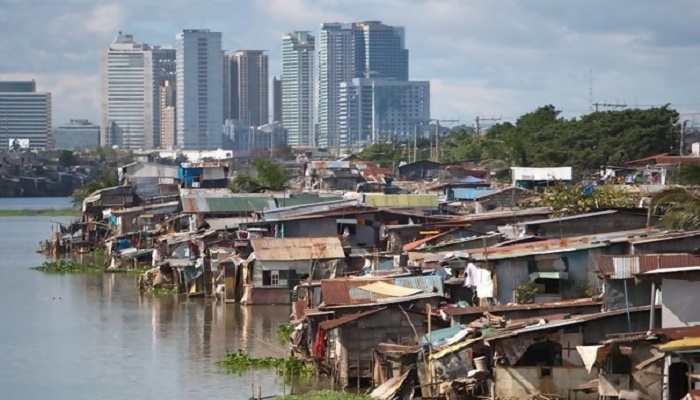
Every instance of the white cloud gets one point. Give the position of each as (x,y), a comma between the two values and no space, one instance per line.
(105,19)
(483,57)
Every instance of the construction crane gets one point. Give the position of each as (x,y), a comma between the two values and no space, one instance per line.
(478,123)
(437,136)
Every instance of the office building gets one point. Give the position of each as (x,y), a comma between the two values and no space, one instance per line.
(228,89)
(276,99)
(199,90)
(298,88)
(131,76)
(167,116)
(368,49)
(25,116)
(372,110)
(76,134)
(249,101)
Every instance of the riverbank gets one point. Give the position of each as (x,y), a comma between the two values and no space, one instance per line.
(324,395)
(50,212)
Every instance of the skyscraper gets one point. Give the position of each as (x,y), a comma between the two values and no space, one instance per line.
(367,49)
(276,99)
(131,76)
(25,116)
(249,87)
(371,110)
(298,88)
(200,90)
(167,116)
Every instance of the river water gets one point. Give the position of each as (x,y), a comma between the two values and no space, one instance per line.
(93,336)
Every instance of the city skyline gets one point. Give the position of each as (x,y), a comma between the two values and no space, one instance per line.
(482,59)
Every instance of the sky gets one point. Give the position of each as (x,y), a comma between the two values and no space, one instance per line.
(486,58)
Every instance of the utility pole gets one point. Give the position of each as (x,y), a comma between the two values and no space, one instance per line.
(614,106)
(437,136)
(478,123)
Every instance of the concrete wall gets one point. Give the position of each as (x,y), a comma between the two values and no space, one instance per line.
(311,228)
(679,303)
(638,294)
(520,382)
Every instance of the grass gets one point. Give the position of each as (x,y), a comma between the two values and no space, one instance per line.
(324,395)
(51,212)
(239,360)
(68,267)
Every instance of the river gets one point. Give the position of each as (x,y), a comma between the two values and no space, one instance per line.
(92,336)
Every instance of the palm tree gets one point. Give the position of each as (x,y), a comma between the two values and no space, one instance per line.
(681,205)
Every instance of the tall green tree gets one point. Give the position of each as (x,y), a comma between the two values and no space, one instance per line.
(264,174)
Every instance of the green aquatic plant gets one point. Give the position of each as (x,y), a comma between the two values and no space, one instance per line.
(239,360)
(159,291)
(68,267)
(325,395)
(284,334)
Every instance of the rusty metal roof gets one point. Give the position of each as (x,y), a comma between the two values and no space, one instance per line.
(678,333)
(626,266)
(561,245)
(586,302)
(295,249)
(346,291)
(346,319)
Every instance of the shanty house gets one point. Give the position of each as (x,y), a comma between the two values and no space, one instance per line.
(142,217)
(201,204)
(419,170)
(278,264)
(592,223)
(149,179)
(529,178)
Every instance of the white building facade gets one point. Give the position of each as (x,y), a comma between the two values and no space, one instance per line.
(298,50)
(131,75)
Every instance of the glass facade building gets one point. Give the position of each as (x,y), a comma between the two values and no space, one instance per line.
(25,116)
(199,90)
(298,50)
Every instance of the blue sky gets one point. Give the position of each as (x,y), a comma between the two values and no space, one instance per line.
(492,58)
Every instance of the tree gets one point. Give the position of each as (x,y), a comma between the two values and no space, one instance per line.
(282,151)
(106,179)
(681,208)
(267,174)
(577,199)
(67,158)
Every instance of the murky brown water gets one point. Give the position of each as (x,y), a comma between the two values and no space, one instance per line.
(94,336)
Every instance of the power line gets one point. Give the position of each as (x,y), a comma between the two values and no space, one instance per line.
(479,120)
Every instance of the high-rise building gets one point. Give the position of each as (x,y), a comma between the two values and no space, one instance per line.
(368,49)
(228,89)
(298,88)
(200,90)
(76,134)
(167,116)
(25,116)
(371,110)
(131,77)
(249,99)
(276,99)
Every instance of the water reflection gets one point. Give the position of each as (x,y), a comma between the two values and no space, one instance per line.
(95,336)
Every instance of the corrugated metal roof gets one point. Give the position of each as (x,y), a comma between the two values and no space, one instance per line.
(401,200)
(240,204)
(666,236)
(553,246)
(626,266)
(295,249)
(346,319)
(519,307)
(304,200)
(672,270)
(471,193)
(290,211)
(569,217)
(346,291)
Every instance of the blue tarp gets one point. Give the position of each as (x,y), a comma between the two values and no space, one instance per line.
(470,193)
(441,335)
